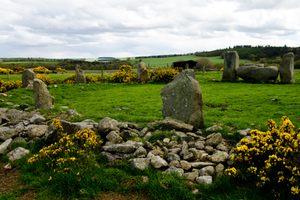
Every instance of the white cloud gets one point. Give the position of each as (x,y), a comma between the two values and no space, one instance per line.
(81,28)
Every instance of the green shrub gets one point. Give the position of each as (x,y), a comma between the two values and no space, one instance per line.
(125,74)
(270,159)
(163,75)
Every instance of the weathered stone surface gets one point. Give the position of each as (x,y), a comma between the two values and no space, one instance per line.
(231,64)
(36,130)
(114,137)
(191,175)
(182,100)
(86,124)
(143,77)
(172,156)
(140,163)
(120,148)
(37,119)
(257,73)
(43,99)
(140,67)
(79,75)
(27,78)
(158,162)
(201,164)
(141,152)
(204,180)
(170,124)
(214,139)
(175,170)
(6,133)
(4,145)
(207,171)
(107,124)
(200,144)
(286,68)
(219,169)
(17,153)
(214,129)
(219,157)
(185,165)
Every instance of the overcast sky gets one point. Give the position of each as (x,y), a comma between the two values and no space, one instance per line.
(121,28)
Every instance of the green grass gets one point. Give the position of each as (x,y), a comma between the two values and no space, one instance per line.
(239,105)
(167,61)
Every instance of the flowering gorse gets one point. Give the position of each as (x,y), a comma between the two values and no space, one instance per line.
(9,85)
(270,158)
(71,154)
(125,74)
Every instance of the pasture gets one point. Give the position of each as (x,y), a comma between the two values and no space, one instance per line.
(238,105)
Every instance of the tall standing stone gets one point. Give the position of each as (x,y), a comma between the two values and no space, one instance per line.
(140,68)
(231,63)
(42,97)
(286,69)
(182,100)
(79,75)
(27,78)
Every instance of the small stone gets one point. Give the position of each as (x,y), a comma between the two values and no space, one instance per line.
(214,129)
(222,147)
(143,132)
(214,139)
(200,145)
(207,171)
(209,149)
(158,162)
(140,152)
(192,175)
(7,166)
(17,154)
(174,170)
(175,163)
(219,157)
(204,180)
(140,163)
(201,164)
(219,169)
(37,119)
(166,140)
(244,132)
(36,130)
(172,156)
(185,165)
(114,137)
(6,133)
(5,145)
(107,124)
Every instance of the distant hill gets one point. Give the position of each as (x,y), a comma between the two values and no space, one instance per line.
(254,53)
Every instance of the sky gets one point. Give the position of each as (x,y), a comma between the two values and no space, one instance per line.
(128,28)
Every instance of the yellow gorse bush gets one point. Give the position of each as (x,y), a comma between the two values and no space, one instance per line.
(271,158)
(70,154)
(46,79)
(125,74)
(5,71)
(41,69)
(164,75)
(9,85)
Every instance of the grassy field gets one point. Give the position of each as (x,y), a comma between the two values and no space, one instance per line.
(167,61)
(239,105)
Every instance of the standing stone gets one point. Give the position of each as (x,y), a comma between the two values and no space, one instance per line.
(27,78)
(142,71)
(231,63)
(286,69)
(79,75)
(42,97)
(182,100)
